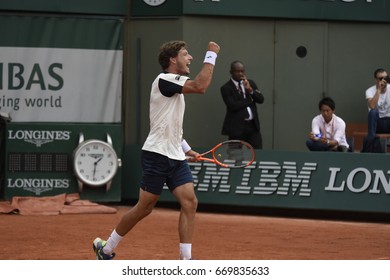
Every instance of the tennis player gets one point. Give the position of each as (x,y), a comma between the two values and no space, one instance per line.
(164,151)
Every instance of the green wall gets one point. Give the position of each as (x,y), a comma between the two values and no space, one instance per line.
(340,63)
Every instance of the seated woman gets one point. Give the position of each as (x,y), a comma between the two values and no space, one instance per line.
(327,129)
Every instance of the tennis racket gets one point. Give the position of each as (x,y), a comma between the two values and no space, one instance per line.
(230,154)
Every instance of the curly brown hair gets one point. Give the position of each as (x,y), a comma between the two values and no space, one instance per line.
(168,50)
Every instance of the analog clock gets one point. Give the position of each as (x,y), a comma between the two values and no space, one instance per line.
(95,163)
(154,2)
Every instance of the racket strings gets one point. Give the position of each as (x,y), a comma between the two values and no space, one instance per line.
(234,154)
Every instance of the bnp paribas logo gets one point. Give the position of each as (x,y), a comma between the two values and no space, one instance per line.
(39,137)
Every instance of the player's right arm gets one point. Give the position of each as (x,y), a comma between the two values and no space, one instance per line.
(203,80)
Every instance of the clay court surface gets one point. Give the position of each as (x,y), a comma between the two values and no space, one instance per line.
(217,237)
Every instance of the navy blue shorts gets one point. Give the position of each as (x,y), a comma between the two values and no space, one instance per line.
(158,169)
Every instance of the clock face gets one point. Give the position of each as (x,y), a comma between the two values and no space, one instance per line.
(154,2)
(95,162)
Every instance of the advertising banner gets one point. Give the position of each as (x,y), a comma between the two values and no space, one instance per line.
(39,159)
(63,70)
(329,181)
(343,10)
(298,180)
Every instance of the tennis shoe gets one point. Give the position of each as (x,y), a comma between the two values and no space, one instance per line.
(98,245)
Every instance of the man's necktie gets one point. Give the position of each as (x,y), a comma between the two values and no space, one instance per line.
(240,89)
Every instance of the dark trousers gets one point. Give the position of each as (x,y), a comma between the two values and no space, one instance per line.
(250,134)
(377,124)
(320,147)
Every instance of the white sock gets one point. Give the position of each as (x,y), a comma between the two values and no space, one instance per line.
(112,242)
(185,251)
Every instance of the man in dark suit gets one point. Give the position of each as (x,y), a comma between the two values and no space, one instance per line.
(240,96)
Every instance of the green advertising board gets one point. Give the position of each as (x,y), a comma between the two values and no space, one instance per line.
(89,7)
(346,10)
(331,181)
(299,180)
(39,159)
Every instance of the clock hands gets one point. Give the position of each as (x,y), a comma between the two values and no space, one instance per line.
(95,164)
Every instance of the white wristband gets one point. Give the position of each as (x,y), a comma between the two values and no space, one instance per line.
(210,57)
(185,146)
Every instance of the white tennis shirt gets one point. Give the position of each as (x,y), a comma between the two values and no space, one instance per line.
(166,115)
